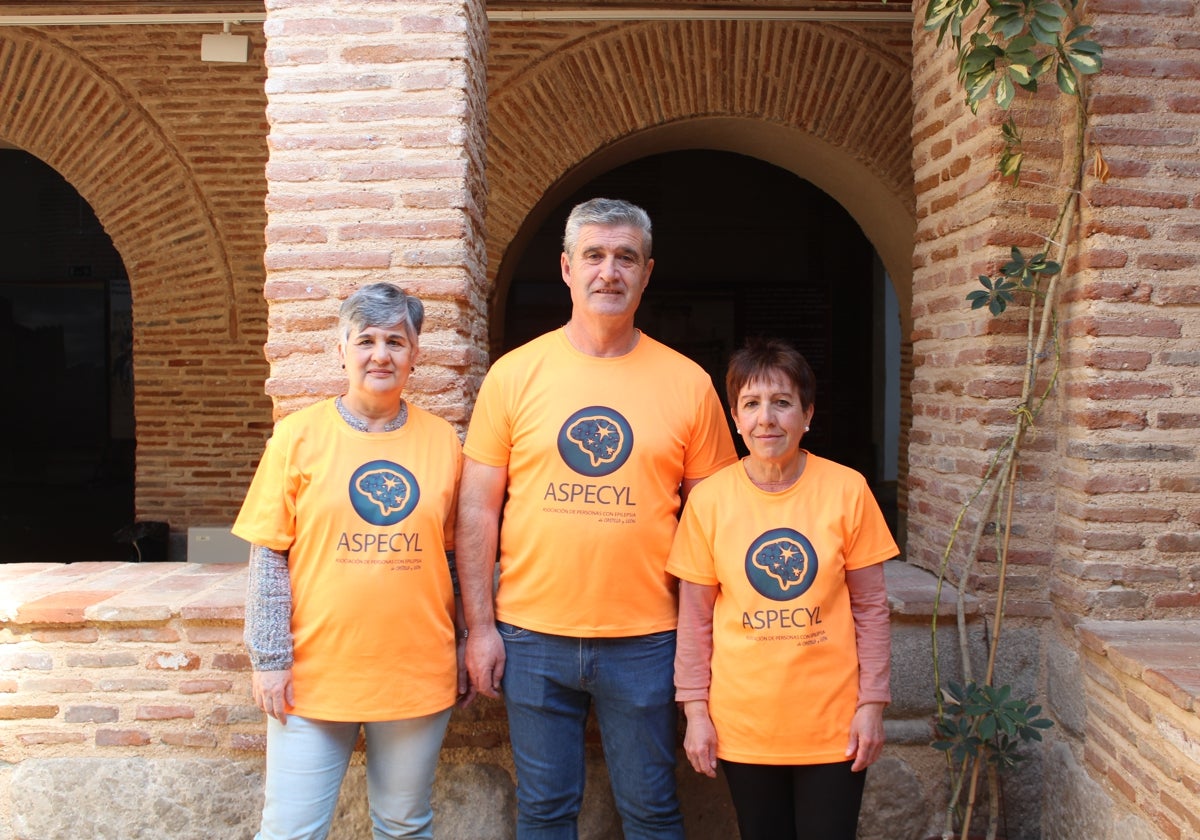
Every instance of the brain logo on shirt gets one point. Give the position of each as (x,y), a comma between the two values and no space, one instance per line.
(595,441)
(781,564)
(383,493)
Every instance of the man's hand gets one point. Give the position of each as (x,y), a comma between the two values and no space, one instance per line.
(485,660)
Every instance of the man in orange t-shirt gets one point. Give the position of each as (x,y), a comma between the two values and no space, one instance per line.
(587,440)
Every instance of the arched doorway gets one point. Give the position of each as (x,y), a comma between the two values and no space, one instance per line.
(744,248)
(66,476)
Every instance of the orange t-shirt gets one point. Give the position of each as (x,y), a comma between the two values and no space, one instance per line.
(366,519)
(595,449)
(784,664)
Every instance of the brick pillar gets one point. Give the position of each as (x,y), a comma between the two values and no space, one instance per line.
(377,122)
(968,367)
(1129,509)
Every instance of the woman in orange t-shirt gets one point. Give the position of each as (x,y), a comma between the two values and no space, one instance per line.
(351,609)
(782,660)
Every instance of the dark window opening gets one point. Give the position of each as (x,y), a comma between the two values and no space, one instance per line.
(66,333)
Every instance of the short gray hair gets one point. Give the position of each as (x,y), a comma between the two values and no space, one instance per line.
(606,212)
(380,305)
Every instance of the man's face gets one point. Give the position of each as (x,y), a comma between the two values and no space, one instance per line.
(608,271)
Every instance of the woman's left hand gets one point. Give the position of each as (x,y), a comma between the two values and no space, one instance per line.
(466,691)
(866,736)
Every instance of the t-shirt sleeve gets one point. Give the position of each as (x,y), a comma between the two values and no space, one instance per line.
(870,540)
(452,509)
(691,556)
(489,435)
(711,447)
(268,514)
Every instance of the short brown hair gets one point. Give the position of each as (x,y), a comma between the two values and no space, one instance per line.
(759,358)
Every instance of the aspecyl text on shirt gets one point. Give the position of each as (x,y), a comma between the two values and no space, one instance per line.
(399,541)
(589,494)
(782,619)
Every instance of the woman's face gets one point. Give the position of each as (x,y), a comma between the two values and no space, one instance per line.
(770,417)
(378,360)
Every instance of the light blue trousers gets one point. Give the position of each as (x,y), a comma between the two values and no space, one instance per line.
(307,760)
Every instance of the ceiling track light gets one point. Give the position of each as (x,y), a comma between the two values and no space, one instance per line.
(225,47)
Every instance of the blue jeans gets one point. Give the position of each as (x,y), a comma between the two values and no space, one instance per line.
(549,683)
(307,759)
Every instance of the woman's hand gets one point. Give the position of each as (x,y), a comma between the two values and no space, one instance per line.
(700,740)
(273,692)
(866,736)
(466,691)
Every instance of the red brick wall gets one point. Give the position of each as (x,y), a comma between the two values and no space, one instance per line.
(1141,686)
(967,367)
(1108,508)
(1130,499)
(1107,512)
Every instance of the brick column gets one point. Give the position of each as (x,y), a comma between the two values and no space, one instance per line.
(1129,510)
(377,121)
(968,366)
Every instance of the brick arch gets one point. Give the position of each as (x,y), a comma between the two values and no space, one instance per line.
(821,101)
(198,369)
(71,116)
(818,100)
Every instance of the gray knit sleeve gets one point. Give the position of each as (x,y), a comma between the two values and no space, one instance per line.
(268,628)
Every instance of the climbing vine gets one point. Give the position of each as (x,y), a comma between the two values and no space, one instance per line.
(1003,48)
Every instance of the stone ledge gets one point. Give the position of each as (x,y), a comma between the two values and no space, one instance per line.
(912,591)
(1164,655)
(124,593)
(120,593)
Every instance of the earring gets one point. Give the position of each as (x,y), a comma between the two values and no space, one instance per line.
(739,431)
(806,428)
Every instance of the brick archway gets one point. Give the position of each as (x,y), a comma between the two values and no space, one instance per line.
(830,103)
(81,123)
(198,368)
(826,102)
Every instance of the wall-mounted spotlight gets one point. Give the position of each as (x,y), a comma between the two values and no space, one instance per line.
(225,47)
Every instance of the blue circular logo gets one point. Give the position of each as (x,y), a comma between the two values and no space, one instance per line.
(595,441)
(781,564)
(383,493)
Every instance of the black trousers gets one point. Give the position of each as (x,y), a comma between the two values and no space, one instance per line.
(795,802)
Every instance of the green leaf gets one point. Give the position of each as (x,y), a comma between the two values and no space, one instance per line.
(1009,131)
(1045,30)
(1043,64)
(1020,74)
(1021,46)
(1049,8)
(1009,26)
(1005,91)
(1068,83)
(1085,63)
(1010,165)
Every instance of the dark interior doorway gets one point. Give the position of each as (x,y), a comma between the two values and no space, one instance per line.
(744,248)
(66,333)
